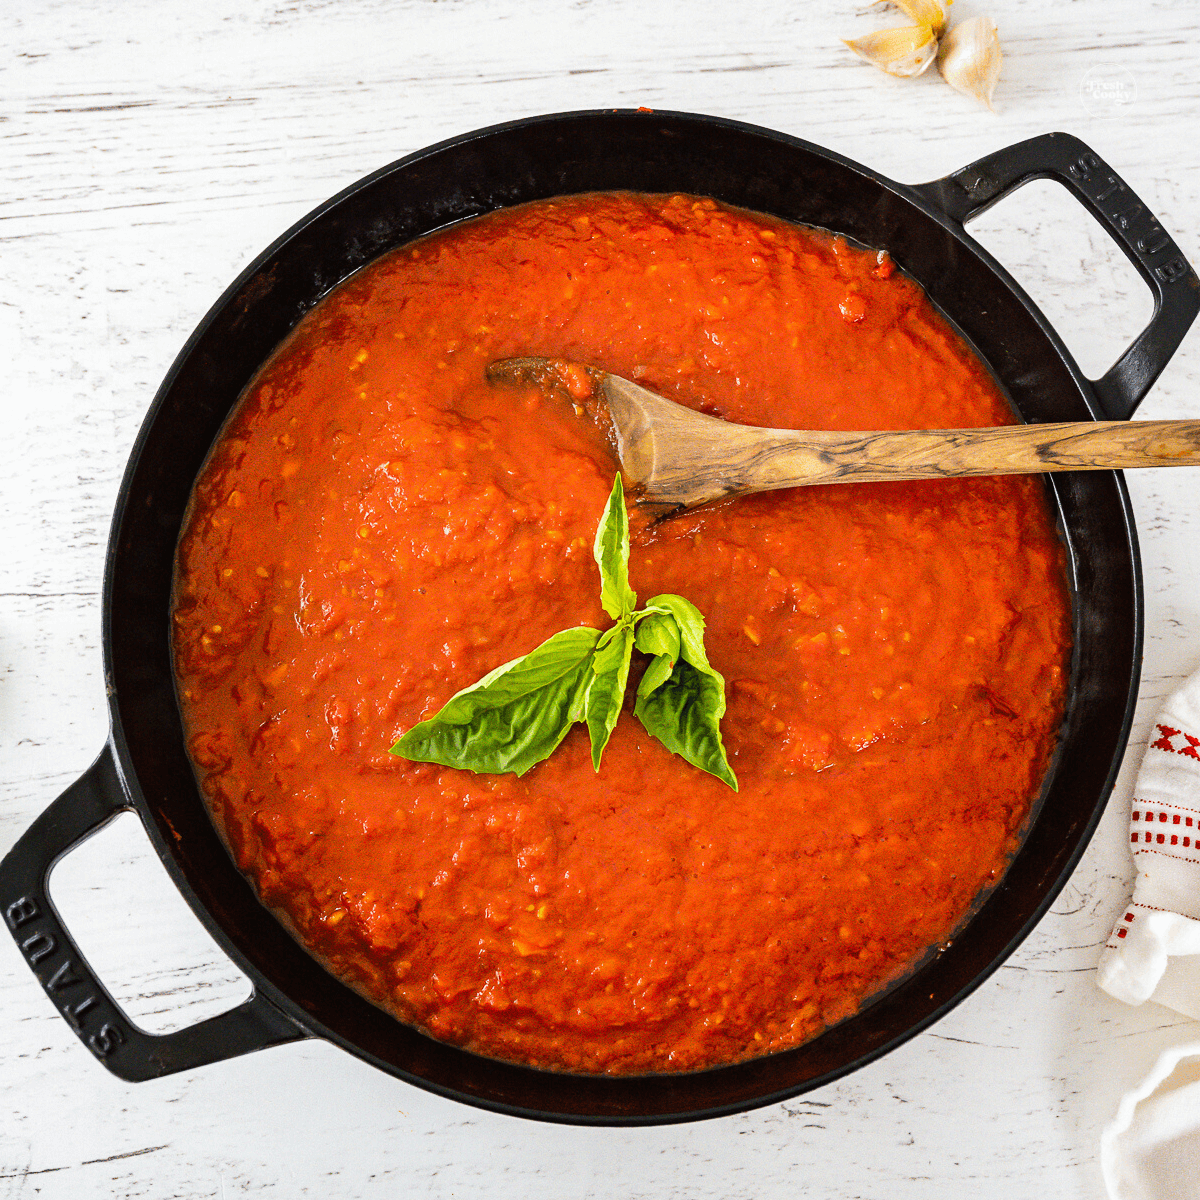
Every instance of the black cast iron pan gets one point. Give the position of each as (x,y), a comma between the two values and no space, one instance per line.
(144,766)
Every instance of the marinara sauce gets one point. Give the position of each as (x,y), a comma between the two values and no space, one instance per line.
(377,528)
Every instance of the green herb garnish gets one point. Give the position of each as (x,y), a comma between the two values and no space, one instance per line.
(518,714)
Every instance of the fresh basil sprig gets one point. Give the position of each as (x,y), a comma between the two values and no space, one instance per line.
(518,714)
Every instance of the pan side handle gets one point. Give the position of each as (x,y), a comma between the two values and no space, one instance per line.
(1159,261)
(46,945)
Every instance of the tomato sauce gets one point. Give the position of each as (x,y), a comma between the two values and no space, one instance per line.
(378,527)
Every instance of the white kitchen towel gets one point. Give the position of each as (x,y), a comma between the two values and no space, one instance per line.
(1151,1151)
(1154,950)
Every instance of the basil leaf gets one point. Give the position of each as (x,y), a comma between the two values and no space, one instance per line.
(606,692)
(657,635)
(611,549)
(516,715)
(689,621)
(681,702)
(684,714)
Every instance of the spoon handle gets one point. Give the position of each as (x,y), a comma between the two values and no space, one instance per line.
(783,458)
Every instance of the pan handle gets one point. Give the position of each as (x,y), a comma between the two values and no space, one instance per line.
(1159,261)
(127,1051)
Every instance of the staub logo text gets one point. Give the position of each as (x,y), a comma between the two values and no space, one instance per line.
(70,987)
(1113,198)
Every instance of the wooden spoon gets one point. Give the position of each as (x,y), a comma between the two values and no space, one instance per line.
(680,458)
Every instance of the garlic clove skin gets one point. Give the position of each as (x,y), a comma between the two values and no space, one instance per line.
(969,58)
(904,52)
(924,12)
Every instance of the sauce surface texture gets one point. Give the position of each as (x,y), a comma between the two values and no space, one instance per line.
(377,528)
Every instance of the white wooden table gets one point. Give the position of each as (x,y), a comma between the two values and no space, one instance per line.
(148,150)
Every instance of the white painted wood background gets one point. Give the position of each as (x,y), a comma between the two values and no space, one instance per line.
(148,150)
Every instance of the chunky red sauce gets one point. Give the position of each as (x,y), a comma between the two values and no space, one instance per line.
(378,528)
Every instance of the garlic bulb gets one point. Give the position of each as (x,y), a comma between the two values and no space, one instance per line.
(907,51)
(969,58)
(924,12)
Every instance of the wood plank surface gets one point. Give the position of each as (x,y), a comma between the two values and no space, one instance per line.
(150,149)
